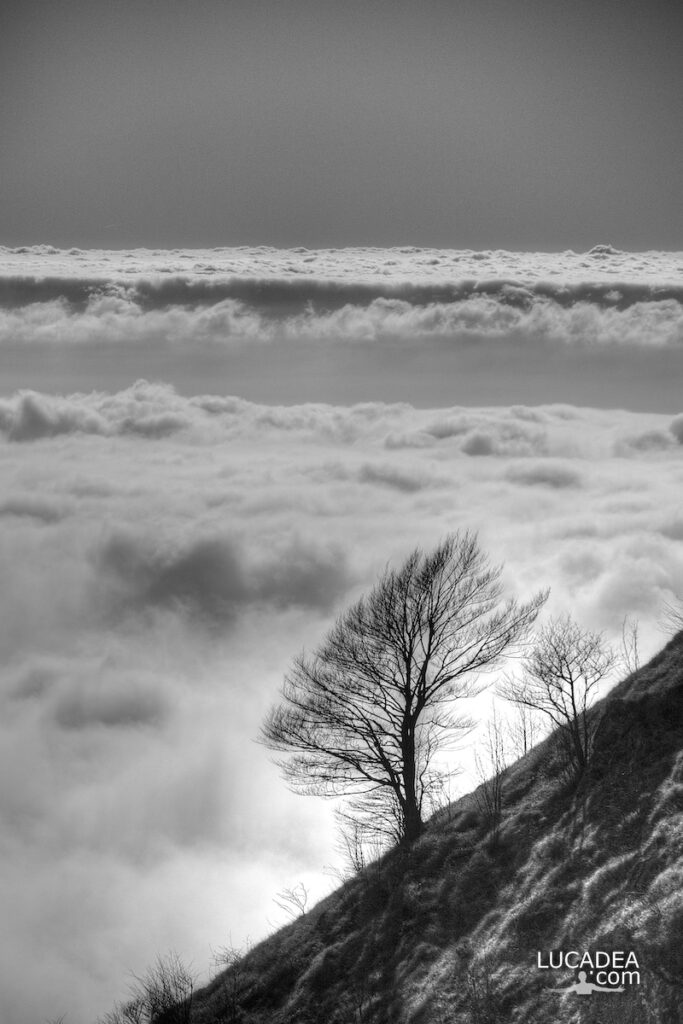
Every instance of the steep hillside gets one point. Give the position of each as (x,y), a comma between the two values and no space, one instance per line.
(461,928)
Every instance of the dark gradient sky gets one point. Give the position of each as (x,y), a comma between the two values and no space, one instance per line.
(522,124)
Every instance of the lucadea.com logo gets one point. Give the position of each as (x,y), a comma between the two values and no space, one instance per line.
(598,971)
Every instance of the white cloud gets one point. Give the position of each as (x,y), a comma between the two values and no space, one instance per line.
(122,320)
(365,267)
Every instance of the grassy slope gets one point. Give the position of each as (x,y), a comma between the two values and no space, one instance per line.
(448,930)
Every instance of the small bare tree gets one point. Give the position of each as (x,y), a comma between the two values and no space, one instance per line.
(482,997)
(352,842)
(229,961)
(167,990)
(293,901)
(671,617)
(360,844)
(561,678)
(133,1011)
(162,996)
(367,714)
(491,764)
(441,794)
(358,841)
(524,730)
(630,652)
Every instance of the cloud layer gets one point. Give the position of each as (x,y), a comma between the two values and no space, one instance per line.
(158,580)
(155,411)
(96,313)
(423,326)
(366,266)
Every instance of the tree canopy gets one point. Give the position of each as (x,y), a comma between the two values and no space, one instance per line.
(366,712)
(561,678)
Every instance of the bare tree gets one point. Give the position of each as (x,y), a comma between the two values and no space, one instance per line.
(353,840)
(561,679)
(483,998)
(671,617)
(162,996)
(358,841)
(366,714)
(630,649)
(491,763)
(229,960)
(441,796)
(524,730)
(293,901)
(133,1011)
(167,990)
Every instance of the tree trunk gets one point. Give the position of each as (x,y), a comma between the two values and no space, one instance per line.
(413,822)
(412,825)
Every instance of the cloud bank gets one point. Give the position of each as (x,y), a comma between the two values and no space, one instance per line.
(107,313)
(424,326)
(360,265)
(158,583)
(155,411)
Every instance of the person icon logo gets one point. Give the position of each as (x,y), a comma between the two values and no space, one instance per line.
(586,988)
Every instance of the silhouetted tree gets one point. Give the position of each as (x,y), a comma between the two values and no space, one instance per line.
(524,730)
(231,978)
(359,842)
(491,763)
(560,678)
(163,996)
(671,616)
(368,711)
(293,901)
(630,644)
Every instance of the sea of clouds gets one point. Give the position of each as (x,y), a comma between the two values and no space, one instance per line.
(422,326)
(167,547)
(228,296)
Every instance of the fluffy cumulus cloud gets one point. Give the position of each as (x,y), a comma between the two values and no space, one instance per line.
(145,410)
(112,314)
(166,551)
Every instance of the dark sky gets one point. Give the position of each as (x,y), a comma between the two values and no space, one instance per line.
(522,124)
